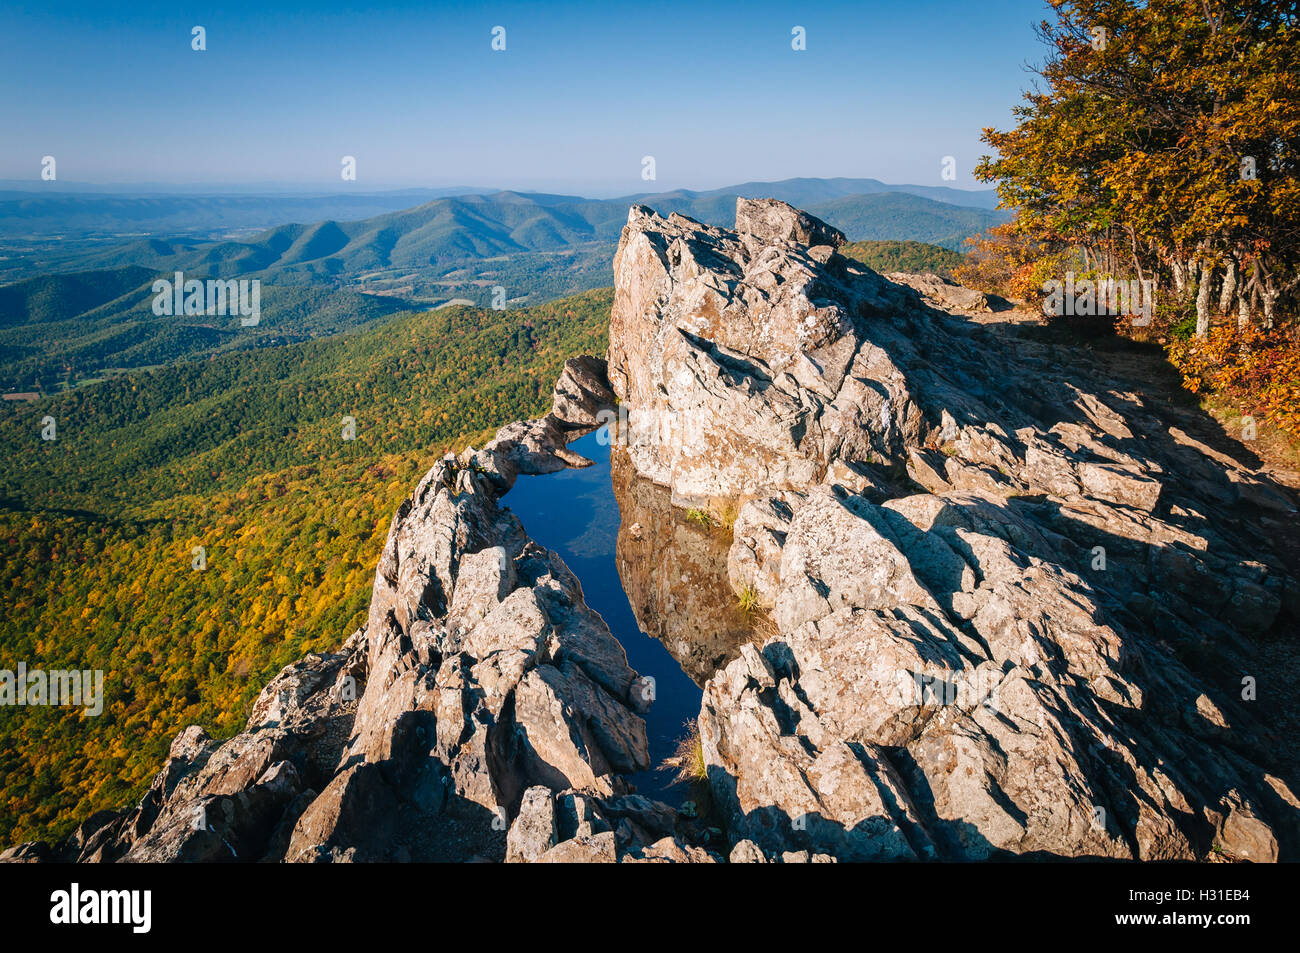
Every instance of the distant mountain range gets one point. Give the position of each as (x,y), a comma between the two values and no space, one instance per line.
(78,306)
(536,245)
(806,191)
(37,214)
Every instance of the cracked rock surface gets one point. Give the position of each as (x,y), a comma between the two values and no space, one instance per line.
(1013,608)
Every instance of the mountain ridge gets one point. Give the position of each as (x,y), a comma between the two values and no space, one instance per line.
(32,215)
(446,231)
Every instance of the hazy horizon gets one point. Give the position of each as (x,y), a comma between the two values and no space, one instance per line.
(577,188)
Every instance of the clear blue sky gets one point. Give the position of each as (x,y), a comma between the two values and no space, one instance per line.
(583,90)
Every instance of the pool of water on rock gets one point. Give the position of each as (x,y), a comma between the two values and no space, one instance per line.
(658,581)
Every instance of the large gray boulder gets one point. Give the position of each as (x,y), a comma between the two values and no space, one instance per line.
(739,357)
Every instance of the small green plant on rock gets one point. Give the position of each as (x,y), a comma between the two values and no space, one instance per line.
(702,517)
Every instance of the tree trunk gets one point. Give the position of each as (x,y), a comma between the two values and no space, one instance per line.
(1248,303)
(1133,247)
(1269,291)
(1229,287)
(1180,282)
(1203,300)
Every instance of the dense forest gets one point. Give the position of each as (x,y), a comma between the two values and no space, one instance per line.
(244,455)
(890,256)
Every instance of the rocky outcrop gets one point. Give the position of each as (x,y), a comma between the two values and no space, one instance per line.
(946,294)
(570,827)
(1013,610)
(994,605)
(739,357)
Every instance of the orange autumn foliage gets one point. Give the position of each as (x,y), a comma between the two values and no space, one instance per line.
(1259,368)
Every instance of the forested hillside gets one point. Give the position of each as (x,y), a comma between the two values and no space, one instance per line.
(243,455)
(893,215)
(887,256)
(58,331)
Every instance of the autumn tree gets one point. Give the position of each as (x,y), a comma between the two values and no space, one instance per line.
(1163,144)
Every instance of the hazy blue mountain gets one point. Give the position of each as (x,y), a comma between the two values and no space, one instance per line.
(472,228)
(804,191)
(41,213)
(36,214)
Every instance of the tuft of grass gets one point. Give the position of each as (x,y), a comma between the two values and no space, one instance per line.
(748,599)
(687,761)
(728,515)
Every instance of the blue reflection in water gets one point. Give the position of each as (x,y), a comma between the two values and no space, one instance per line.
(575,513)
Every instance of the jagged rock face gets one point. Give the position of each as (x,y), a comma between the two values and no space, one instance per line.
(999,635)
(570,827)
(488,672)
(739,355)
